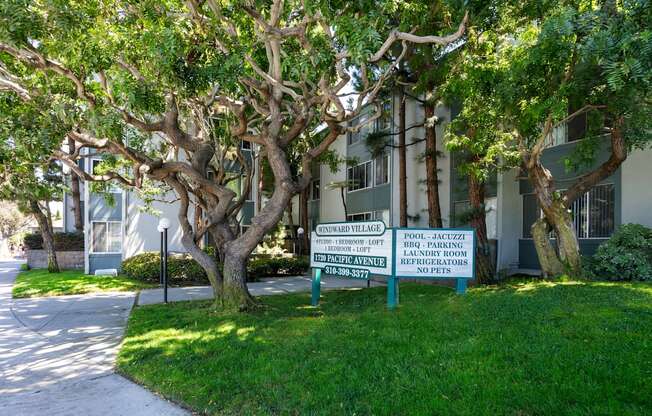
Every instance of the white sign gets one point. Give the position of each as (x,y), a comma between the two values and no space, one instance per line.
(362,228)
(434,253)
(354,249)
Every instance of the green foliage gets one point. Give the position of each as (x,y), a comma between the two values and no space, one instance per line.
(24,267)
(627,255)
(182,269)
(62,241)
(548,348)
(277,266)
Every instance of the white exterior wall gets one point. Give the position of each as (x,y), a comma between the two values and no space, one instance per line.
(330,202)
(140,228)
(509,213)
(636,183)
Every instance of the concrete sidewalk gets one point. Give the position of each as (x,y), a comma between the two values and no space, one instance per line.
(57,356)
(266,287)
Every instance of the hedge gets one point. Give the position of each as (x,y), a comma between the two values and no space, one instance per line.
(182,269)
(62,241)
(277,266)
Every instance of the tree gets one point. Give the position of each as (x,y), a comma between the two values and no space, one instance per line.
(550,65)
(480,148)
(168,88)
(27,176)
(12,221)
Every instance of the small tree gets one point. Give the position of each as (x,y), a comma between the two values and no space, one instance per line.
(481,148)
(24,178)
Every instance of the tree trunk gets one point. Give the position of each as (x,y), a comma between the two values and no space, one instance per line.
(346,211)
(235,293)
(568,246)
(260,185)
(75,193)
(402,162)
(550,264)
(484,269)
(303,210)
(46,233)
(432,176)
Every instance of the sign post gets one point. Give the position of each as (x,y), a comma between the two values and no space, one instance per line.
(316,286)
(356,250)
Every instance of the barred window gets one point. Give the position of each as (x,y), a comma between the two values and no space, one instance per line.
(593,213)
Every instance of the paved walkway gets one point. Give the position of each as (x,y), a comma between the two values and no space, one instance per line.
(272,286)
(57,356)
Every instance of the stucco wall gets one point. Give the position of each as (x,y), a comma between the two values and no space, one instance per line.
(330,204)
(38,259)
(141,233)
(508,220)
(636,176)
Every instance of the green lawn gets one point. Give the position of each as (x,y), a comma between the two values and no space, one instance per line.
(520,349)
(38,282)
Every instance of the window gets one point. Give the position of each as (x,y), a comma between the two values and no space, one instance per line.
(364,130)
(111,186)
(573,130)
(382,169)
(360,177)
(106,237)
(315,190)
(593,213)
(362,216)
(461,213)
(95,163)
(245,145)
(384,122)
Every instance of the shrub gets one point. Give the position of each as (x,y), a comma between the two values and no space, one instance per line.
(62,241)
(24,267)
(276,266)
(627,255)
(182,269)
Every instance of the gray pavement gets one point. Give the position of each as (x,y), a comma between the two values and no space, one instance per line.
(266,287)
(57,356)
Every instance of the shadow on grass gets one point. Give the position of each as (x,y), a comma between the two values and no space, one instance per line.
(527,348)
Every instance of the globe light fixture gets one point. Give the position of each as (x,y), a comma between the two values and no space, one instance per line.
(163,224)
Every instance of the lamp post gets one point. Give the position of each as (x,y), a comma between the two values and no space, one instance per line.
(163,225)
(300,232)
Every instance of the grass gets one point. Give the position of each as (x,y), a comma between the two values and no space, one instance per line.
(527,348)
(38,282)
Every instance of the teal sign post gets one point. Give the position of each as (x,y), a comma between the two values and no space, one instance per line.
(356,250)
